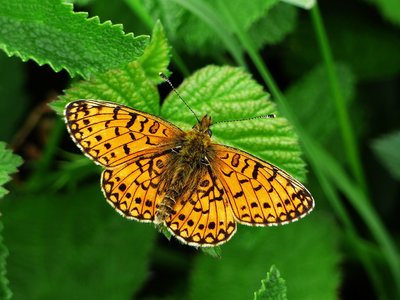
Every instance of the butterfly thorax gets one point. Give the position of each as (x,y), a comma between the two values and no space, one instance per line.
(190,158)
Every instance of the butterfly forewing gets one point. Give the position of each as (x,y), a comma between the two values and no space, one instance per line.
(259,192)
(112,134)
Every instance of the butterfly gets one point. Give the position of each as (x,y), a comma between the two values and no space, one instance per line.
(156,172)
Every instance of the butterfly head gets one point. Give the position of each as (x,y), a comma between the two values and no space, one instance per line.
(203,126)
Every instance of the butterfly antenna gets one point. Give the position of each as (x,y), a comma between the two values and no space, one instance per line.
(176,92)
(270,116)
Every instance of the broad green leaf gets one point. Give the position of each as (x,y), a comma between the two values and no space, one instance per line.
(74,246)
(306,4)
(273,287)
(132,85)
(305,253)
(275,26)
(387,150)
(12,100)
(119,12)
(9,163)
(390,9)
(228,93)
(49,32)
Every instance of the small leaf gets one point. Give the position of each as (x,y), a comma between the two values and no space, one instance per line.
(228,93)
(9,163)
(273,287)
(214,252)
(49,32)
(306,4)
(387,150)
(157,55)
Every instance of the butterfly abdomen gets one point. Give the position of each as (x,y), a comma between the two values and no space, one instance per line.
(186,167)
(174,187)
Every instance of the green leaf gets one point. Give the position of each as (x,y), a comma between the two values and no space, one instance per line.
(132,85)
(157,55)
(74,246)
(228,93)
(275,26)
(387,150)
(49,32)
(247,12)
(5,292)
(390,9)
(215,252)
(311,94)
(9,163)
(127,85)
(306,4)
(121,12)
(273,287)
(299,250)
(194,34)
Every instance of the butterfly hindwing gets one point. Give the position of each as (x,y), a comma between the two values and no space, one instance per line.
(113,134)
(203,217)
(134,189)
(259,192)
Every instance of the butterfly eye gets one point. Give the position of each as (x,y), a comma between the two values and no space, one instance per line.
(177,149)
(209,132)
(204,160)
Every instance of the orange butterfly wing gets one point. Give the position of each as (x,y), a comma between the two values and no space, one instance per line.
(133,189)
(113,134)
(204,217)
(260,193)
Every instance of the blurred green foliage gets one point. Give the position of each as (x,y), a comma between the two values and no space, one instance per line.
(333,72)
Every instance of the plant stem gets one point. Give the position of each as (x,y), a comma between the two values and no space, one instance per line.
(339,102)
(137,7)
(207,14)
(313,152)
